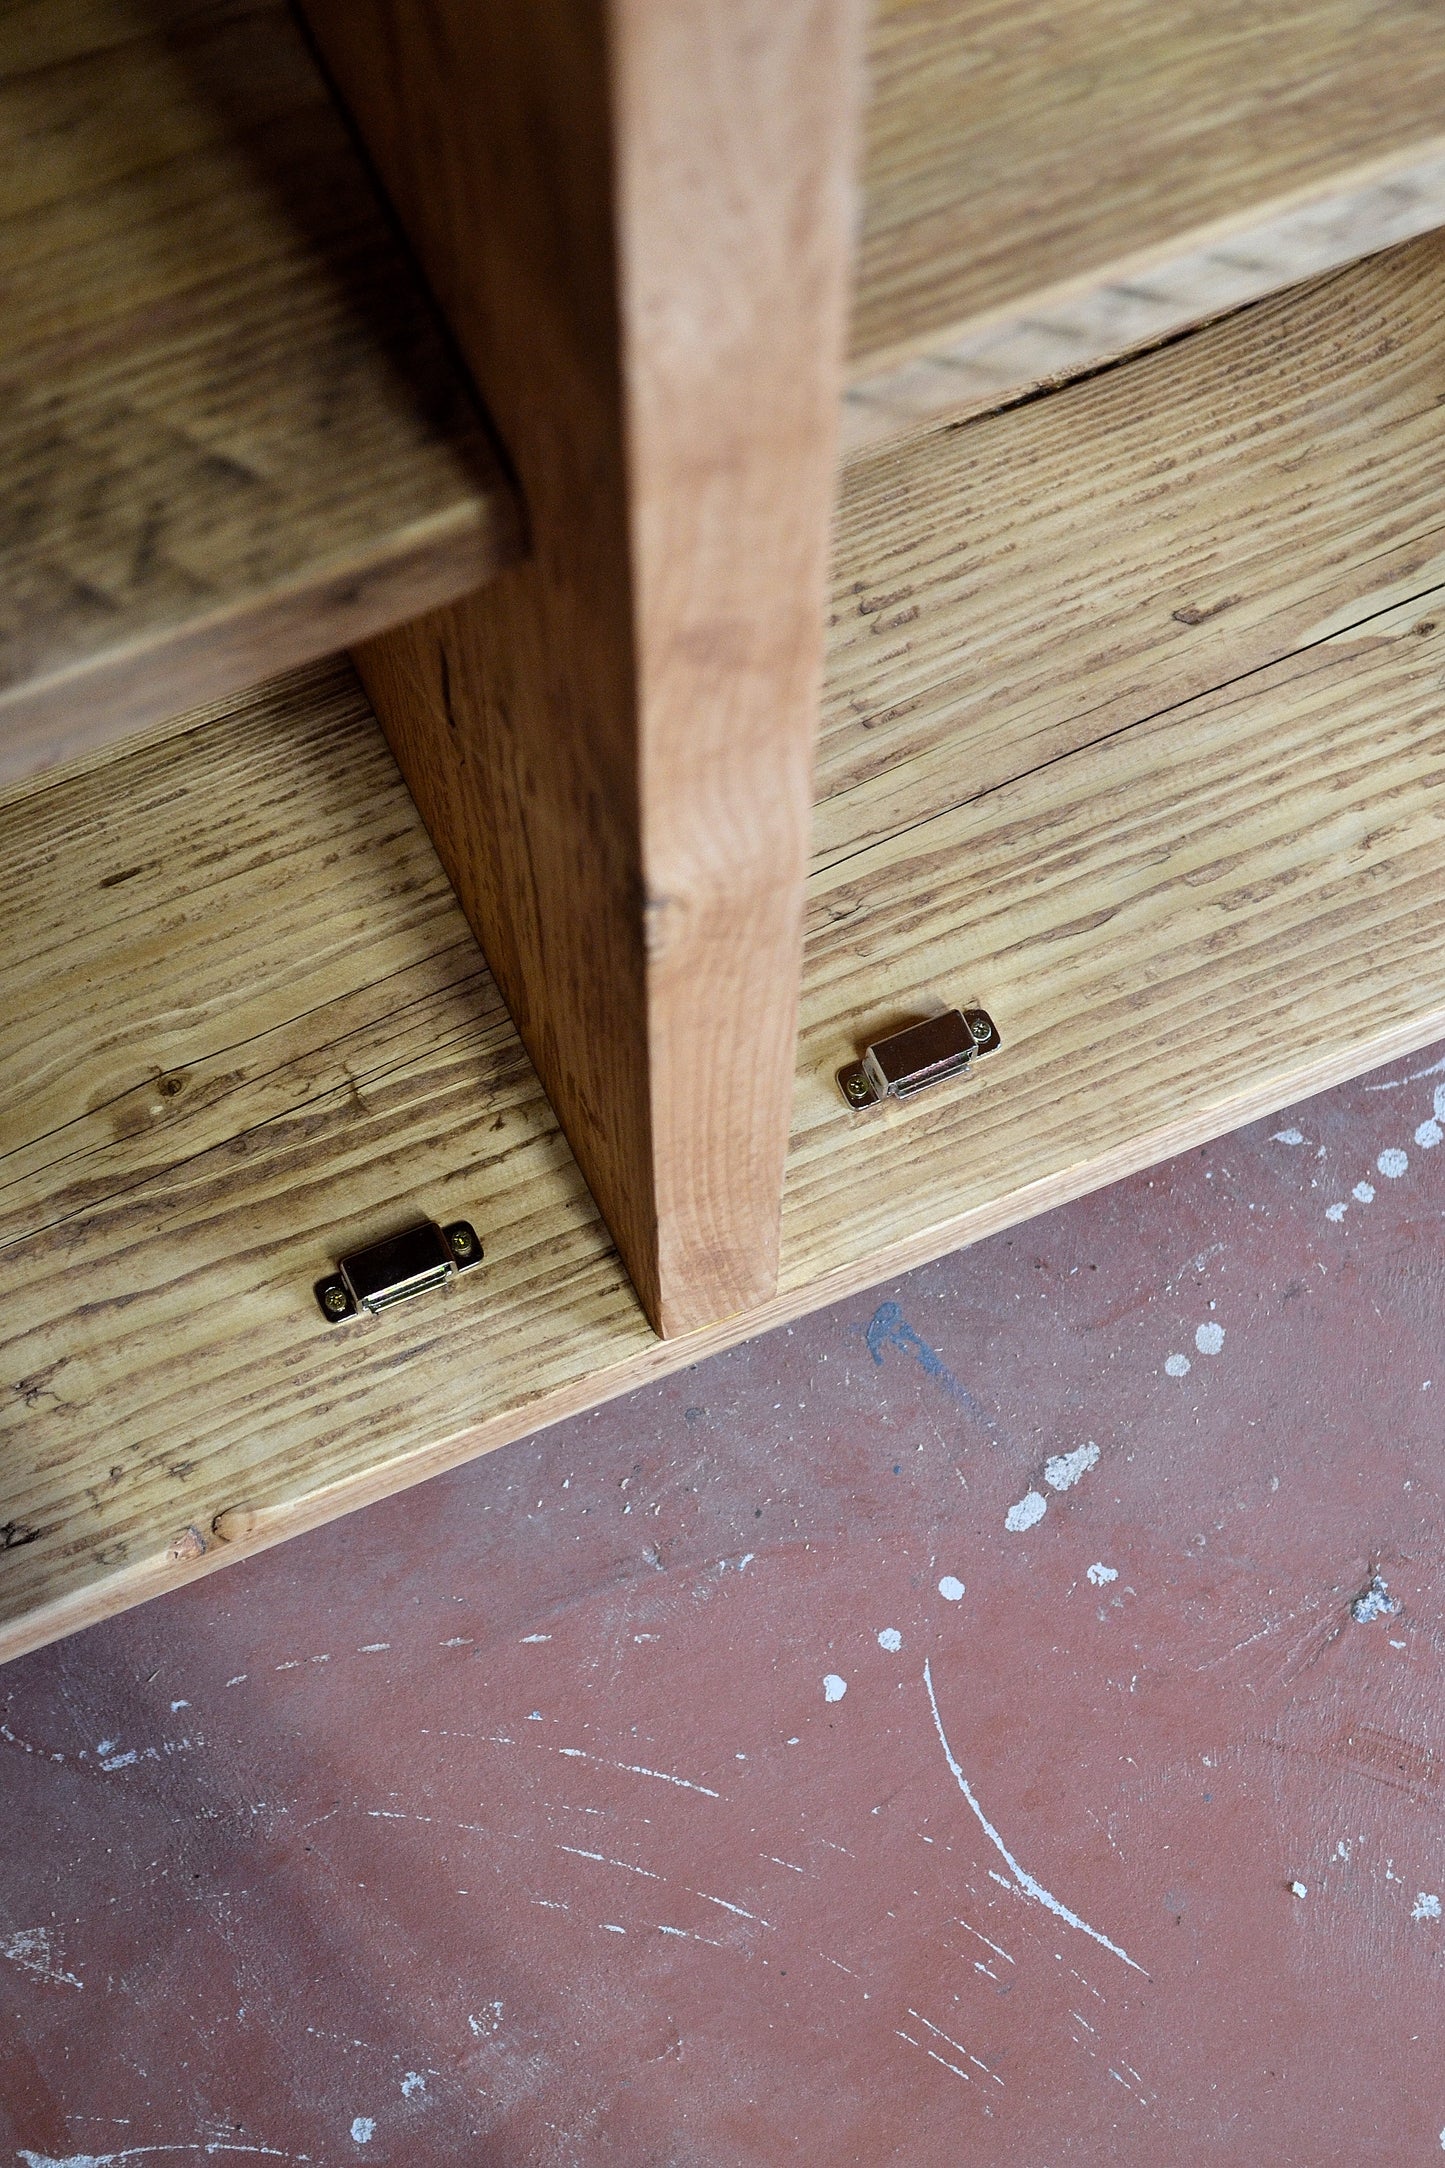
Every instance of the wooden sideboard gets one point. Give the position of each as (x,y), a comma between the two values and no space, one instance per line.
(820,542)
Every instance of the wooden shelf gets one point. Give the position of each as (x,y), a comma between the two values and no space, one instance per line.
(1045,186)
(1047,339)
(250,1030)
(232,435)
(1009,591)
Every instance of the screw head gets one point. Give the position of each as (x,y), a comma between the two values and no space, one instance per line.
(463,1241)
(336,1301)
(980,1027)
(857,1087)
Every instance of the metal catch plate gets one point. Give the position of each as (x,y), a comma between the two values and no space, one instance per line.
(923,1054)
(393,1271)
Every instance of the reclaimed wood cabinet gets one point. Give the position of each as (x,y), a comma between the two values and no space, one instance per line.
(835,516)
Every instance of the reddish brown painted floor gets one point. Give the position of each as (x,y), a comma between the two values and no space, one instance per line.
(720,1779)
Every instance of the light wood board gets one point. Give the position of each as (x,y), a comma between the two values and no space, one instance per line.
(1006,592)
(231,434)
(1045,339)
(225,1067)
(636,215)
(1014,148)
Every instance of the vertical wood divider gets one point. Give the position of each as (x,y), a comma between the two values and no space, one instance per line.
(636,216)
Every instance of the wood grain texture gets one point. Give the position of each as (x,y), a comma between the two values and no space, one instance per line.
(230,432)
(1043,340)
(1009,591)
(635,214)
(1193,923)
(1016,149)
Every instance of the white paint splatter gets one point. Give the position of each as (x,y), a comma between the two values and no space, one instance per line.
(1064,1470)
(1374,1602)
(1177,1366)
(179,1705)
(30,1950)
(372,1648)
(1426,1907)
(1299,1889)
(1336,1212)
(1363,1193)
(1029,1510)
(950,1588)
(1288,1136)
(412,2084)
(1023,1881)
(1439,1101)
(490,2021)
(1102,1575)
(1209,1338)
(891,1639)
(363,2129)
(527,1639)
(834,1688)
(1428,1135)
(1392,1162)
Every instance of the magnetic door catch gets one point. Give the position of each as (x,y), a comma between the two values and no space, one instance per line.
(908,1061)
(393,1271)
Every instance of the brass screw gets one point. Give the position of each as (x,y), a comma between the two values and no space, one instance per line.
(857,1088)
(979,1026)
(462,1241)
(336,1301)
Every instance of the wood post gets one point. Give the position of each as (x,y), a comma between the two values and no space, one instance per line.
(636,217)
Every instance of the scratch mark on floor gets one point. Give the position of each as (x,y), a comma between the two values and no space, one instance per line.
(957,2045)
(134,2152)
(634,1769)
(1026,1883)
(984,1941)
(936,2057)
(888,1327)
(742,1915)
(30,1949)
(625,1864)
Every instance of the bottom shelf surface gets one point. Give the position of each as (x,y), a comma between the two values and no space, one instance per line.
(247,1030)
